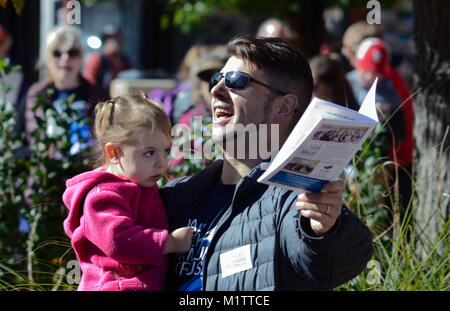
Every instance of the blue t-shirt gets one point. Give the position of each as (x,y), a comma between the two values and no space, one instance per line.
(80,135)
(185,270)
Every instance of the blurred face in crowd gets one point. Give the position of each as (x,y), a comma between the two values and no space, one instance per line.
(64,63)
(348,51)
(205,93)
(322,90)
(113,44)
(5,44)
(204,78)
(366,78)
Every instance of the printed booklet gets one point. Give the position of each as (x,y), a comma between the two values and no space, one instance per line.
(322,143)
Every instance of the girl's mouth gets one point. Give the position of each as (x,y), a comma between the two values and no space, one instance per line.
(156,177)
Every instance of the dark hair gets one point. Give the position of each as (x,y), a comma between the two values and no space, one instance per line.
(285,67)
(329,70)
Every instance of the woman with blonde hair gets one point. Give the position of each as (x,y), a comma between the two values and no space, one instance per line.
(62,60)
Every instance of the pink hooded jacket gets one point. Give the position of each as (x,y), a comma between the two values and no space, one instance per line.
(118,231)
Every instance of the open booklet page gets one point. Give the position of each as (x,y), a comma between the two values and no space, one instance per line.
(321,144)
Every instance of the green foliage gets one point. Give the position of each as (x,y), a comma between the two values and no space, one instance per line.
(398,262)
(31,187)
(193,152)
(12,178)
(191,14)
(368,188)
(37,260)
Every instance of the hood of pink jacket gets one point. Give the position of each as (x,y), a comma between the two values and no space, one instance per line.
(76,190)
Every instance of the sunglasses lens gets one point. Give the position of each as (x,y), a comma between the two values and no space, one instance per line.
(214,80)
(236,80)
(57,53)
(73,53)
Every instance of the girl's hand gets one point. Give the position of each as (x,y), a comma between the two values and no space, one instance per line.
(179,240)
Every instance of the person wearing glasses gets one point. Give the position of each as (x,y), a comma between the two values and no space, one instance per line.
(62,60)
(248,235)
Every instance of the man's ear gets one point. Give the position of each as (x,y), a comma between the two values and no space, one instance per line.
(113,153)
(286,108)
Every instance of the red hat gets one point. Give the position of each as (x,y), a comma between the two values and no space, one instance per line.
(4,34)
(372,55)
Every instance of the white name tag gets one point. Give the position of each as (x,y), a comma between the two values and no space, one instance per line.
(236,260)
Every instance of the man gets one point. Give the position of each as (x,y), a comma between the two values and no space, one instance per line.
(353,36)
(250,236)
(104,66)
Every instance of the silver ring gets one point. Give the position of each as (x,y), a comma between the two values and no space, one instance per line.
(328,210)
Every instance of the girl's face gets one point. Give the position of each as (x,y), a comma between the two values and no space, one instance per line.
(143,161)
(65,64)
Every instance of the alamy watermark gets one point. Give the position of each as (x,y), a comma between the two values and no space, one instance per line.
(73,14)
(73,276)
(374,275)
(374,15)
(237,140)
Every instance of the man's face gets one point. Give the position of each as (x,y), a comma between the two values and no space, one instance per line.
(233,108)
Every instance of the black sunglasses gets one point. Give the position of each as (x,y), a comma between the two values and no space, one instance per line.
(72,53)
(237,80)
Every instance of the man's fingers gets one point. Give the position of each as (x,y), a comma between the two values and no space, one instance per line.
(337,186)
(324,220)
(322,208)
(329,210)
(326,198)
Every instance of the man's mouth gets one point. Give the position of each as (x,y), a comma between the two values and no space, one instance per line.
(222,114)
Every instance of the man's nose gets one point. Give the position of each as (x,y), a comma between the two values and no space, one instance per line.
(219,90)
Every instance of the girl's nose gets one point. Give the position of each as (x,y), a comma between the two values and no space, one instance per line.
(160,160)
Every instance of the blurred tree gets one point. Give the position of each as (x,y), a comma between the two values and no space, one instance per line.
(305,17)
(18,5)
(432,114)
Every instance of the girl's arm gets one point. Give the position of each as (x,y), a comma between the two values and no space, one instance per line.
(179,240)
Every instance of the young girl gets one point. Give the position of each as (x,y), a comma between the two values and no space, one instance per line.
(116,219)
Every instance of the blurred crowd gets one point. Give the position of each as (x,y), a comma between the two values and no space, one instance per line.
(342,77)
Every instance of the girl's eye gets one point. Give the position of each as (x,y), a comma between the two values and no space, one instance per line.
(149,153)
(167,152)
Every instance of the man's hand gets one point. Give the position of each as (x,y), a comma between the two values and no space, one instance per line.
(322,208)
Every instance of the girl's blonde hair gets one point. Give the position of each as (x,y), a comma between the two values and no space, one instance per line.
(118,120)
